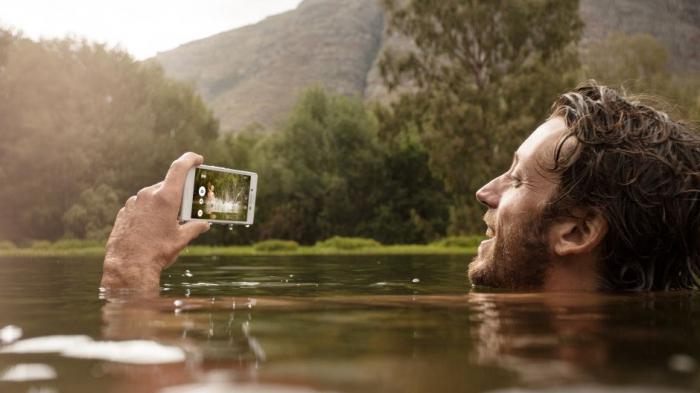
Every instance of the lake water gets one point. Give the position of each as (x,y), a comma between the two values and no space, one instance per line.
(339,324)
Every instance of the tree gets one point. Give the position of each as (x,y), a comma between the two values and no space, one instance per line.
(639,63)
(76,115)
(481,76)
(91,217)
(321,170)
(413,206)
(327,173)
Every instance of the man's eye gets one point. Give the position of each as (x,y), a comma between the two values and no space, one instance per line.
(515,182)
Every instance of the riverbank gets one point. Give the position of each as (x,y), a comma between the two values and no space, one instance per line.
(404,249)
(334,246)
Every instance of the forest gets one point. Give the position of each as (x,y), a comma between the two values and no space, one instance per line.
(85,126)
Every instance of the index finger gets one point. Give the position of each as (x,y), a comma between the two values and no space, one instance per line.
(175,178)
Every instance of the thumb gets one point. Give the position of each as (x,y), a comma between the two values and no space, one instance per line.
(191,229)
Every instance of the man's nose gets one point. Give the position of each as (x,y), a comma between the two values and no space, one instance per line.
(489,195)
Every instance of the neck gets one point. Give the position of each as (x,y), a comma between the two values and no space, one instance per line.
(573,274)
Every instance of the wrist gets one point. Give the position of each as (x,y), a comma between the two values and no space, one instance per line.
(128,273)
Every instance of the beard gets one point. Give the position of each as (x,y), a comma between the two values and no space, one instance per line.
(517,257)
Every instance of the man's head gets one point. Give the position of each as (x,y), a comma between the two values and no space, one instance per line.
(603,195)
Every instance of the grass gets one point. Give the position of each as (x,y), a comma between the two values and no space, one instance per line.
(398,249)
(272,245)
(345,246)
(348,243)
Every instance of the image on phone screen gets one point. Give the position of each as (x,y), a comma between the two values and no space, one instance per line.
(220,195)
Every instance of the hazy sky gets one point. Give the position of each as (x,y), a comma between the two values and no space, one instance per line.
(142,27)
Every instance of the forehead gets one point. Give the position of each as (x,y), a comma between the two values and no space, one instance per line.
(542,142)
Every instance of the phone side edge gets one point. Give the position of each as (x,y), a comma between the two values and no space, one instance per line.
(187,192)
(251,197)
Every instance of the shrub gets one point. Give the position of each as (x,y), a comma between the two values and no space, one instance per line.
(92,216)
(64,244)
(348,243)
(459,241)
(40,244)
(276,245)
(7,245)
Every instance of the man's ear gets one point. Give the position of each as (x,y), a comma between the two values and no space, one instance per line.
(578,234)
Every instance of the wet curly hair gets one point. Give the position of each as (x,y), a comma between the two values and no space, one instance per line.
(641,170)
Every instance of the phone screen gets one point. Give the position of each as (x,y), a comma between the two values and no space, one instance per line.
(220,195)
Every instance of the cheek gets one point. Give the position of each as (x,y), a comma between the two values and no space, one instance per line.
(520,201)
(515,215)
(508,210)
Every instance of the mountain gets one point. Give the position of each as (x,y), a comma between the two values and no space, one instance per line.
(676,23)
(255,73)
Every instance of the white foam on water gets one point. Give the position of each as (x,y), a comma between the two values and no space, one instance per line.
(387,284)
(10,333)
(46,344)
(134,351)
(28,372)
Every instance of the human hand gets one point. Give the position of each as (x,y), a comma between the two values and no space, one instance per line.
(147,237)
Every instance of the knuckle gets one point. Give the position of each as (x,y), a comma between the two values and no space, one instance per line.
(162,196)
(179,162)
(143,193)
(186,159)
(177,166)
(190,155)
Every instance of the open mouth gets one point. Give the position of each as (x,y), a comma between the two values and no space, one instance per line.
(490,234)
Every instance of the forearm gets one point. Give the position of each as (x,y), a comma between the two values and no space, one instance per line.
(147,237)
(141,276)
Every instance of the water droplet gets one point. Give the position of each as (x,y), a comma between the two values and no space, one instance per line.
(10,333)
(682,363)
(415,280)
(187,273)
(178,303)
(230,227)
(247,226)
(291,275)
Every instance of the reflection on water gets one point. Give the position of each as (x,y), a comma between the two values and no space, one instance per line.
(347,324)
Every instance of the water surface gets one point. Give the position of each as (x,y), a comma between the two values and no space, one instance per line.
(344,324)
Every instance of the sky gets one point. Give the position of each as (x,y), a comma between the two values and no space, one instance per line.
(142,27)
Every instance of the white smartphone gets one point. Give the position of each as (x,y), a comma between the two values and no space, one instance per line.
(219,195)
